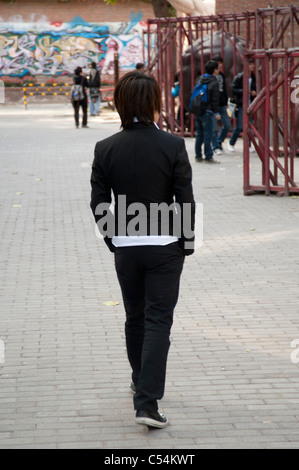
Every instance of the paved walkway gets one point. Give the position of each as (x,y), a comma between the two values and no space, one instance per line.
(231,380)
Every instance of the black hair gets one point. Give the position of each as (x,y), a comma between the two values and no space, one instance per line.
(137,95)
(78,70)
(210,66)
(217,58)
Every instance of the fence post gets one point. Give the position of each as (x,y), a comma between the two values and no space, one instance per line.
(286,98)
(2,92)
(266,127)
(246,162)
(116,68)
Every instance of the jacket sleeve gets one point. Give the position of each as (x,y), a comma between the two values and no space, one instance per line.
(101,200)
(215,96)
(183,191)
(85,83)
(253,82)
(237,85)
(225,96)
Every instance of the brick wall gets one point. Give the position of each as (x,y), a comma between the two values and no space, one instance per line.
(229,6)
(66,10)
(98,11)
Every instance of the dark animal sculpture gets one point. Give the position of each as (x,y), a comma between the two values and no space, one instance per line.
(226,51)
(202,52)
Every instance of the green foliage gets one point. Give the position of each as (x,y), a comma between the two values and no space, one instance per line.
(161,8)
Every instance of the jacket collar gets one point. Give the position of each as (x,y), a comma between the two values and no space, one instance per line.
(138,124)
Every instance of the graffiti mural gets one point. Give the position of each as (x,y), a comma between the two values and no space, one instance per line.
(58,48)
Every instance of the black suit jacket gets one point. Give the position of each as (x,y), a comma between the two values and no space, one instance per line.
(237,87)
(147,166)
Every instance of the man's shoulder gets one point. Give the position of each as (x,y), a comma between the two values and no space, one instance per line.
(212,82)
(108,141)
(159,135)
(170,139)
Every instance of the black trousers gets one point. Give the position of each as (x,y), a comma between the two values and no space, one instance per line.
(149,277)
(77,105)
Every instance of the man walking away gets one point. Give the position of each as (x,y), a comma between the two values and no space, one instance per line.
(94,90)
(147,167)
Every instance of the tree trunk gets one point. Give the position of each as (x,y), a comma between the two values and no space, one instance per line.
(161,8)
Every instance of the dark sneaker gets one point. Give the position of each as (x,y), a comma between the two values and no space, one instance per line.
(211,160)
(133,387)
(198,159)
(153,419)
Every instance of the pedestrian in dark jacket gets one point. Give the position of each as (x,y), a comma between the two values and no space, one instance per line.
(204,122)
(94,83)
(237,90)
(81,80)
(218,139)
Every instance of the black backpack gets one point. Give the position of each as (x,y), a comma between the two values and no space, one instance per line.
(77,92)
(198,97)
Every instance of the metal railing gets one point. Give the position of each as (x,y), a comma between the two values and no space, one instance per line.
(271,36)
(271,122)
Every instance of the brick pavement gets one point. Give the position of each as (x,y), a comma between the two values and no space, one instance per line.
(64,383)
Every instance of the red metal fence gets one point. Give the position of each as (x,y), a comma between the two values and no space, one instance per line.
(270,122)
(183,45)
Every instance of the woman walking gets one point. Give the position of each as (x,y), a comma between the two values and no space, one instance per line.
(79,96)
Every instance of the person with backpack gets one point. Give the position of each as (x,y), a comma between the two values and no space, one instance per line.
(237,89)
(218,138)
(204,104)
(94,83)
(79,96)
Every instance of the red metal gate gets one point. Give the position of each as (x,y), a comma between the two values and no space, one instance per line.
(270,122)
(182,45)
(168,39)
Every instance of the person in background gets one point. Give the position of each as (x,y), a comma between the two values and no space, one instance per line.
(82,85)
(94,83)
(204,121)
(175,91)
(237,89)
(218,139)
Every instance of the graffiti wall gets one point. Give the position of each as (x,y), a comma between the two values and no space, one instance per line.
(53,49)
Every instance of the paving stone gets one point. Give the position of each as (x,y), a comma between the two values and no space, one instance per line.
(65,380)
